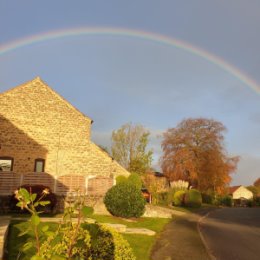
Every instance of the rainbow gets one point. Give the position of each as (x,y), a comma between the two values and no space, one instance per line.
(154,37)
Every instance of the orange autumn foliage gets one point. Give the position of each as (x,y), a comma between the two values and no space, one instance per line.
(194,151)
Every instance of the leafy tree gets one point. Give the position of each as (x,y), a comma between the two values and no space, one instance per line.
(257,183)
(254,189)
(129,145)
(194,151)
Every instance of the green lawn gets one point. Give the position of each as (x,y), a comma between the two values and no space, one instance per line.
(141,244)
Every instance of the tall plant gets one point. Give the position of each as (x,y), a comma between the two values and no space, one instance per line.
(69,241)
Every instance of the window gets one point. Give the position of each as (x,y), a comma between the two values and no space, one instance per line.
(6,164)
(39,165)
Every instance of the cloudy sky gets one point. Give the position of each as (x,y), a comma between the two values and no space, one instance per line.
(144,61)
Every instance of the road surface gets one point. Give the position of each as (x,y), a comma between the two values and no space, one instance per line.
(232,233)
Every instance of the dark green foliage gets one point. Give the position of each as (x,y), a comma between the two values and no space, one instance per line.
(38,189)
(125,200)
(178,198)
(193,198)
(250,203)
(207,198)
(226,201)
(257,201)
(107,244)
(102,246)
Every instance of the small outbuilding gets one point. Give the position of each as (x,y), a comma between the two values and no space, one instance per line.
(240,195)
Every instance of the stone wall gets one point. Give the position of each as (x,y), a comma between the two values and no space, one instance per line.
(37,123)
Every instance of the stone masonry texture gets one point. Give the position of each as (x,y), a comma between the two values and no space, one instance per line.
(36,122)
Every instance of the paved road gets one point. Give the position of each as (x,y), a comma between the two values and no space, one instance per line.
(233,233)
(180,240)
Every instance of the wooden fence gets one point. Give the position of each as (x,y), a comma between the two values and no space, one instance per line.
(60,185)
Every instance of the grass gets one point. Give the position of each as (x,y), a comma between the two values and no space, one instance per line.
(141,244)
(155,224)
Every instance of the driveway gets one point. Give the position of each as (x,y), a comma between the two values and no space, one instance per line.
(233,233)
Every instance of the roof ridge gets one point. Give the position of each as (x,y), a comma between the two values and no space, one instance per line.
(19,86)
(38,79)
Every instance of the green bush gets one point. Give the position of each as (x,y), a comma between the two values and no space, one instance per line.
(125,200)
(193,198)
(135,179)
(178,197)
(163,198)
(108,244)
(120,179)
(226,201)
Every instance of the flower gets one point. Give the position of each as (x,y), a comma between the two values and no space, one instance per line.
(46,191)
(17,195)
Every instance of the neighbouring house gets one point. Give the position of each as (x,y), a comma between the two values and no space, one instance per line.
(240,194)
(45,140)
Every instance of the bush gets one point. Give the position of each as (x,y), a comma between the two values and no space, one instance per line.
(257,201)
(207,198)
(178,197)
(250,203)
(163,198)
(226,201)
(120,179)
(125,200)
(107,244)
(135,179)
(193,198)
(38,189)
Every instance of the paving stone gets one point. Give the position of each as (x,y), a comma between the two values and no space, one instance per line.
(141,231)
(118,227)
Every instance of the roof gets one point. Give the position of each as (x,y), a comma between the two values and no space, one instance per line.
(159,174)
(233,189)
(39,80)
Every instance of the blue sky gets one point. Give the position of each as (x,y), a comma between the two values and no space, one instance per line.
(116,79)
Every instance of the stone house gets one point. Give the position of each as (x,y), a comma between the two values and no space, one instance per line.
(240,192)
(45,140)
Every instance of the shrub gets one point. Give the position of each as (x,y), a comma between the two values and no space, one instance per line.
(107,244)
(125,200)
(120,179)
(207,198)
(163,198)
(68,241)
(135,179)
(193,198)
(38,189)
(178,197)
(226,201)
(257,201)
(179,185)
(250,203)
